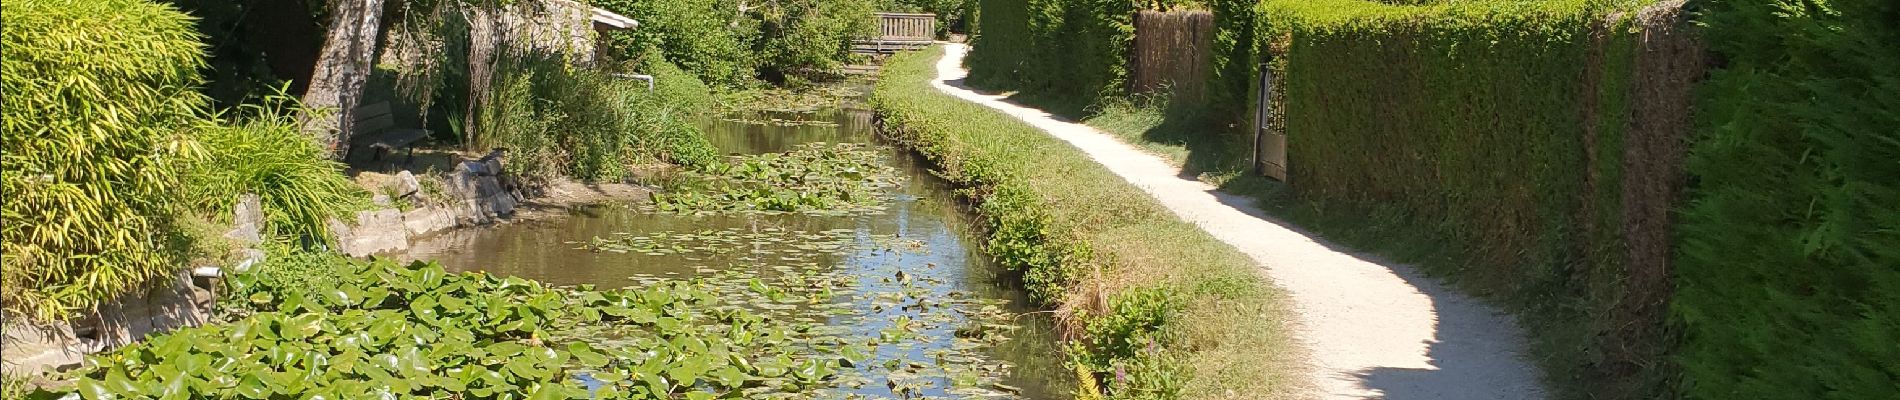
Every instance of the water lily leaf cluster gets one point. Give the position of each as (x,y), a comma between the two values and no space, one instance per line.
(898,325)
(388,330)
(816,177)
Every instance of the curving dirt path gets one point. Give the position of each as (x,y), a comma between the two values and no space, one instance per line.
(1373,330)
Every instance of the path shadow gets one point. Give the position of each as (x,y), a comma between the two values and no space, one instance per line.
(1463,347)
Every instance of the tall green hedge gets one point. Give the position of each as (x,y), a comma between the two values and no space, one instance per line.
(1073,51)
(1789,270)
(1486,142)
(98,93)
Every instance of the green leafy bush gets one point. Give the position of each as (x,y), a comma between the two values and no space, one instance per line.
(1787,286)
(707,38)
(811,38)
(730,44)
(98,107)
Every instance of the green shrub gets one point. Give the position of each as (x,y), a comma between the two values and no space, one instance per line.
(729,45)
(680,90)
(811,38)
(99,101)
(265,153)
(706,38)
(1787,286)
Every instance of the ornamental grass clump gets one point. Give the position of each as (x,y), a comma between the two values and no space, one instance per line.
(561,120)
(299,186)
(99,104)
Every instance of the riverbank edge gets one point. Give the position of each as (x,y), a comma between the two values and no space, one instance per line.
(1098,250)
(465,198)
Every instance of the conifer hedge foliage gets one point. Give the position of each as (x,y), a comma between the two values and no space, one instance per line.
(1499,129)
(1788,275)
(98,93)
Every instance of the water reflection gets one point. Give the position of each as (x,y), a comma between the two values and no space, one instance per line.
(923,211)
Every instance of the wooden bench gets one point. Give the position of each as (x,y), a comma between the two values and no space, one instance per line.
(373,130)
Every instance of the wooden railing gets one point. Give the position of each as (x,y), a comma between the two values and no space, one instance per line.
(906,27)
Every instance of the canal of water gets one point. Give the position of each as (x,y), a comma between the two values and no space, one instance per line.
(911,270)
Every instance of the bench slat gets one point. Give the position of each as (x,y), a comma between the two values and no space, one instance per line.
(396,138)
(378,109)
(373,125)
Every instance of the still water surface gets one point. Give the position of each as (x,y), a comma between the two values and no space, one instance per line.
(940,262)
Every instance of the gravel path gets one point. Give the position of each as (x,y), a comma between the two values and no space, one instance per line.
(1372,330)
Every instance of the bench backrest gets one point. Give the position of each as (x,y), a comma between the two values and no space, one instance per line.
(373,118)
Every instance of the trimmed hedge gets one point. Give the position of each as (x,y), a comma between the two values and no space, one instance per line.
(1528,150)
(1789,268)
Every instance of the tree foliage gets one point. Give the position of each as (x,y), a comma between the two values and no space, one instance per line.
(732,42)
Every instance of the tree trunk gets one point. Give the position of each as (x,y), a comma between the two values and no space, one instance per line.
(485,37)
(336,87)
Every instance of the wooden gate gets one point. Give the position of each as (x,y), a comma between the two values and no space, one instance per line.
(1269,135)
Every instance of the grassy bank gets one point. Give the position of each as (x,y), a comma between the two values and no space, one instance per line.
(1157,308)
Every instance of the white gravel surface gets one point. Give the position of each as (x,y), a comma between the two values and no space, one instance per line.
(1371,329)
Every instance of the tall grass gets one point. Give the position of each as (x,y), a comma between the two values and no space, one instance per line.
(98,103)
(564,121)
(262,152)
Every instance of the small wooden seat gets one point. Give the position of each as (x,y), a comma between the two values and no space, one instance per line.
(373,130)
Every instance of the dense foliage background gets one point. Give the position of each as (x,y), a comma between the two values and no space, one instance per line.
(731,43)
(1789,271)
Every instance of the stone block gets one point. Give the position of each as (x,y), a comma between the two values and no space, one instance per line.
(423,221)
(34,347)
(406,184)
(375,232)
(247,221)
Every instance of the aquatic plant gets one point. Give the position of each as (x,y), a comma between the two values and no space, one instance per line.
(816,177)
(907,330)
(385,329)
